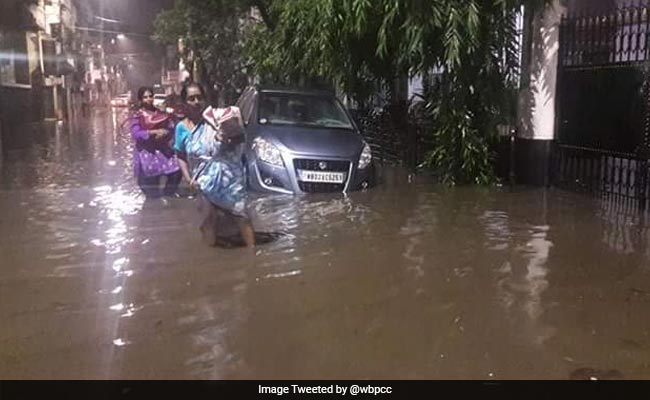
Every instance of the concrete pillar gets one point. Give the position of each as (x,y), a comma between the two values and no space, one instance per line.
(2,122)
(1,149)
(57,105)
(69,99)
(536,119)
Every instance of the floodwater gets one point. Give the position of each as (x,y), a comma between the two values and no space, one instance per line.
(408,280)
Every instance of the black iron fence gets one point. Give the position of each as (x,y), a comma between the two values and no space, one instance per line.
(616,37)
(620,177)
(604,104)
(397,135)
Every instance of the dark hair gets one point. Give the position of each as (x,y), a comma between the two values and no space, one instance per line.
(180,110)
(189,85)
(143,90)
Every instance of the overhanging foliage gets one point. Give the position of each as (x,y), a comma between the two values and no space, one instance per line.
(358,44)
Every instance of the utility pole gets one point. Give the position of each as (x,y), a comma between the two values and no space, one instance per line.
(102,53)
(101,31)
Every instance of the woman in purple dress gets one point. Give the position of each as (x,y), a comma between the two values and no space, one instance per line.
(153,133)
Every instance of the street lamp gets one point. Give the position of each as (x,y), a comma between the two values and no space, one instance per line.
(121,36)
(108,19)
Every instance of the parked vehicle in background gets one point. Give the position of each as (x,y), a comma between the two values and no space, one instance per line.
(302,141)
(123,100)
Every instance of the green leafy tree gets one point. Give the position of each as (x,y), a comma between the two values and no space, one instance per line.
(212,33)
(361,44)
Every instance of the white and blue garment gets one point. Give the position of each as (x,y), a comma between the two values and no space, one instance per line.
(218,169)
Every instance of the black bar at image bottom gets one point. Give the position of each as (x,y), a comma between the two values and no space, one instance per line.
(412,389)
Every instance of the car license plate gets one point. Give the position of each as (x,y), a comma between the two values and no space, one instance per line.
(321,176)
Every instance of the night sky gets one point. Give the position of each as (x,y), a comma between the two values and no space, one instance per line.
(136,17)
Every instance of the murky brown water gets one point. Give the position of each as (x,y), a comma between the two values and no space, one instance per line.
(407,280)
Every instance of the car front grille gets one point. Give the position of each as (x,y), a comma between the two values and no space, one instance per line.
(317,165)
(314,165)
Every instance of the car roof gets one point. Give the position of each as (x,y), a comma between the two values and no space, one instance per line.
(294,90)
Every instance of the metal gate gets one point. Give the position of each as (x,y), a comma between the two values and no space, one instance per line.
(603,106)
(398,134)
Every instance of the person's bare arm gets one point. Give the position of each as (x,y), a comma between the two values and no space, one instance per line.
(159,133)
(185,171)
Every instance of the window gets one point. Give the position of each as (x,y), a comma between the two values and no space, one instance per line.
(14,65)
(306,110)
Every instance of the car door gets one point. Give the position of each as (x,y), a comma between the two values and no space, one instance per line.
(246,105)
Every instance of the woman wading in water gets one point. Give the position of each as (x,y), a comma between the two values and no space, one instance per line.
(211,161)
(153,157)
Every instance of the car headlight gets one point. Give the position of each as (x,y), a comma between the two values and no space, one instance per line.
(267,152)
(366,156)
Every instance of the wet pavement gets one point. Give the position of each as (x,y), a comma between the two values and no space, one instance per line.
(408,280)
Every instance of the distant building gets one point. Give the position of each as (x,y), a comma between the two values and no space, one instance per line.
(37,71)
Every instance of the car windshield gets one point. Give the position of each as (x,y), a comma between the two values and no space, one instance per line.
(297,109)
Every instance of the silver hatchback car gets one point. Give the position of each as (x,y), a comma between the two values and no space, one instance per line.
(302,141)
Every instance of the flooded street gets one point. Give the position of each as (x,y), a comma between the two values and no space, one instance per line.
(408,280)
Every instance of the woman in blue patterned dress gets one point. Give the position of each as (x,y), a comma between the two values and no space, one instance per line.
(213,166)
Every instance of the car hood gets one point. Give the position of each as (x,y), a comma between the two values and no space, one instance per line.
(316,141)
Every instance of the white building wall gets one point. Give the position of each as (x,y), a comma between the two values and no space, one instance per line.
(537,100)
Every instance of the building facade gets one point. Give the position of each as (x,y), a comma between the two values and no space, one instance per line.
(39,69)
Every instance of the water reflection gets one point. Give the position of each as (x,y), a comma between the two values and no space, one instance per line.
(534,283)
(522,276)
(625,229)
(407,280)
(416,228)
